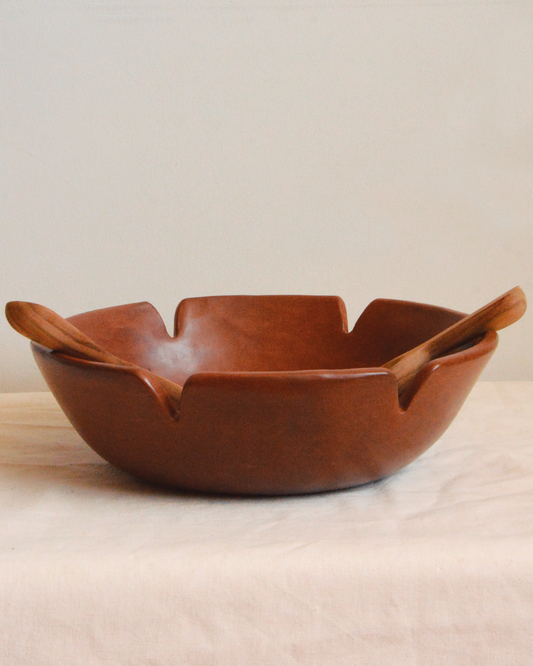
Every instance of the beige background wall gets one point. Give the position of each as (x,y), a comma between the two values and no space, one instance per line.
(159,150)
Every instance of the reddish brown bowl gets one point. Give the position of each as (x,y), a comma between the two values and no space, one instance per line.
(279,397)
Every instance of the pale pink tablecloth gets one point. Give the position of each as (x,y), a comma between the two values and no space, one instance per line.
(433,566)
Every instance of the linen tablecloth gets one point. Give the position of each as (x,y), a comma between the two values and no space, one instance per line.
(432,566)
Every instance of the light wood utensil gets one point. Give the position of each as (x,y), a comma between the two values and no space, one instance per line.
(498,314)
(47,328)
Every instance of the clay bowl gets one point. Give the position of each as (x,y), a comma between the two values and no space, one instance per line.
(279,397)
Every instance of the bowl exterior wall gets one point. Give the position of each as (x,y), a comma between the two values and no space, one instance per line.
(265,433)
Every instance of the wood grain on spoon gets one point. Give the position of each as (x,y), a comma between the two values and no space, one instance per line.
(49,329)
(498,314)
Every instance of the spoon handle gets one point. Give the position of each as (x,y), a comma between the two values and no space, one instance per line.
(49,329)
(497,314)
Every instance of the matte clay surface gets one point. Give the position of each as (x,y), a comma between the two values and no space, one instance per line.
(278,397)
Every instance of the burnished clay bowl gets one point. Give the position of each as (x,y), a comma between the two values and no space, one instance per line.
(279,397)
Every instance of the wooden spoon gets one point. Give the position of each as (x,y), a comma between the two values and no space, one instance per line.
(498,314)
(49,329)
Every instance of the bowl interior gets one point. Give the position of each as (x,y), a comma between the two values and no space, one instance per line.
(262,334)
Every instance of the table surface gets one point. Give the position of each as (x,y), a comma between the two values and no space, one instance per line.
(432,566)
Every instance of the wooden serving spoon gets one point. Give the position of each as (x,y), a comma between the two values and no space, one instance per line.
(47,328)
(497,314)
